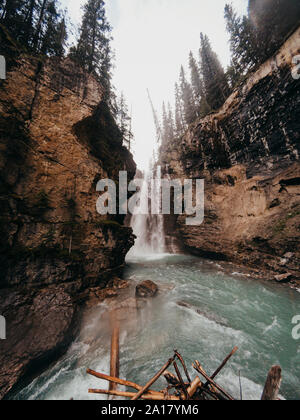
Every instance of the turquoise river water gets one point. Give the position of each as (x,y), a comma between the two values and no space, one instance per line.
(203,310)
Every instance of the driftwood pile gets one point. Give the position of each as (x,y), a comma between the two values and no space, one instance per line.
(177,389)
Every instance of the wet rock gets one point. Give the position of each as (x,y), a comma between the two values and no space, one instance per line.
(119,284)
(283,261)
(205,313)
(146,289)
(40,326)
(184,304)
(98,295)
(284,278)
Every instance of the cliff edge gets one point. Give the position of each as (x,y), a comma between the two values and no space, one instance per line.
(57,140)
(248,154)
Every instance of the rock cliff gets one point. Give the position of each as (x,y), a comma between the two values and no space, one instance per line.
(57,139)
(248,154)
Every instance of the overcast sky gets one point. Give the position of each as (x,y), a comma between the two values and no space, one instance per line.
(152,38)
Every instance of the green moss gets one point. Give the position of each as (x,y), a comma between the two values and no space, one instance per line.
(281,226)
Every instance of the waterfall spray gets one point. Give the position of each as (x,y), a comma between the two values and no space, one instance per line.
(149,229)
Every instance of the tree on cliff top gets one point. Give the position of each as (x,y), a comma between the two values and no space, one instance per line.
(179,120)
(124,120)
(272,21)
(215,82)
(38,25)
(93,51)
(243,44)
(188,99)
(168,129)
(254,38)
(198,87)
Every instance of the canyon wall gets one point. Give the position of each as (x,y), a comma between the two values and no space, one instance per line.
(57,139)
(248,154)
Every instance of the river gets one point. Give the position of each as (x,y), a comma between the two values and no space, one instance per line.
(204,309)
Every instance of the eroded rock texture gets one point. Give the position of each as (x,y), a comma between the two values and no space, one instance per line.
(57,139)
(248,154)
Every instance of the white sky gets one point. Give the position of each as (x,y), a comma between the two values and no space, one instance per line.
(152,39)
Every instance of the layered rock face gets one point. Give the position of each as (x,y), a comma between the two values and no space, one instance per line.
(57,140)
(248,154)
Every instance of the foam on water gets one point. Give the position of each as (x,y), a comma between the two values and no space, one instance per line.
(273,325)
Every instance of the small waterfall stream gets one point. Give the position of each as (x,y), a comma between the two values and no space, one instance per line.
(149,228)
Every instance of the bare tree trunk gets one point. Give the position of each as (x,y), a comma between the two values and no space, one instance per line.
(39,25)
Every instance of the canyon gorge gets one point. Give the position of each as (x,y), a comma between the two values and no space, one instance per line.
(58,138)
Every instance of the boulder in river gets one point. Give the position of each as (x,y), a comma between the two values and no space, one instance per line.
(146,289)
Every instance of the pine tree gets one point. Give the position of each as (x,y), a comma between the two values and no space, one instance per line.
(165,126)
(272,21)
(37,37)
(124,120)
(37,24)
(171,124)
(243,44)
(234,28)
(55,36)
(254,38)
(198,88)
(122,115)
(29,22)
(179,120)
(188,100)
(197,83)
(12,16)
(215,82)
(93,51)
(168,128)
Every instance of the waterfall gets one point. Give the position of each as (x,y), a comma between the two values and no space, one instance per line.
(149,228)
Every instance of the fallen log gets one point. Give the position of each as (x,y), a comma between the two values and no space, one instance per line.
(114,355)
(113,380)
(200,370)
(118,381)
(151,397)
(223,364)
(153,380)
(184,366)
(181,383)
(193,387)
(273,383)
